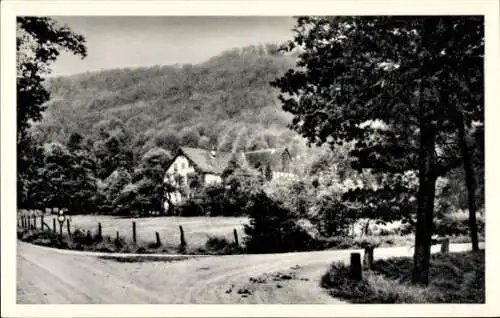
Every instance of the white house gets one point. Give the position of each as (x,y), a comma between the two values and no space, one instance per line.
(206,167)
(189,163)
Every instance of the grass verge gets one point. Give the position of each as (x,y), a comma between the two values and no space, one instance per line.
(83,241)
(454,278)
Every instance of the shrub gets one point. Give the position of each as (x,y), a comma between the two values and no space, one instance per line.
(337,242)
(44,238)
(191,207)
(457,224)
(221,246)
(368,241)
(82,237)
(274,229)
(406,228)
(331,217)
(215,201)
(216,243)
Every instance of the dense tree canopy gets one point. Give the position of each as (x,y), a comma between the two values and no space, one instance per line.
(39,41)
(392,85)
(224,102)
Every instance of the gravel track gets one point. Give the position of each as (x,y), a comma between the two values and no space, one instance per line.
(52,276)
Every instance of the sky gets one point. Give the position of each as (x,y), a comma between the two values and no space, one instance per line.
(117,42)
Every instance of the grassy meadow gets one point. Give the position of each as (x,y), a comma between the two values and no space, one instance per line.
(196,229)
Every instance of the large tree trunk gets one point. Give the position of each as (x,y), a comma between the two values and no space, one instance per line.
(425,210)
(470,180)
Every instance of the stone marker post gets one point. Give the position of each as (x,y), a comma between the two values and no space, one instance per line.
(183,239)
(356,269)
(158,241)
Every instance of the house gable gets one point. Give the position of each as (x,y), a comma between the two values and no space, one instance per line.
(206,162)
(194,160)
(179,165)
(277,159)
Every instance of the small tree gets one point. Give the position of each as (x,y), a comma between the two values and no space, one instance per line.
(147,191)
(273,229)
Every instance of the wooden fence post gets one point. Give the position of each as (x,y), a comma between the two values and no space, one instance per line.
(43,222)
(356,269)
(236,242)
(368,257)
(99,231)
(445,245)
(34,221)
(54,225)
(158,242)
(134,233)
(68,227)
(60,228)
(183,239)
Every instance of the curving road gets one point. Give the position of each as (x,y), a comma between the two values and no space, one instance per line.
(53,276)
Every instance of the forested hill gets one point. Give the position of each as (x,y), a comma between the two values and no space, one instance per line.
(226,101)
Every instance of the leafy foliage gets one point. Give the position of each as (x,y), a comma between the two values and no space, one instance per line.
(273,229)
(388,85)
(225,102)
(39,41)
(146,193)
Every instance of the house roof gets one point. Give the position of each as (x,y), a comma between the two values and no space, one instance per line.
(204,161)
(267,157)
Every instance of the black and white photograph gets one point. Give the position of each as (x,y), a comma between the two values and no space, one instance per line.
(249,159)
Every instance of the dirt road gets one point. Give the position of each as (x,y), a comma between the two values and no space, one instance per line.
(57,277)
